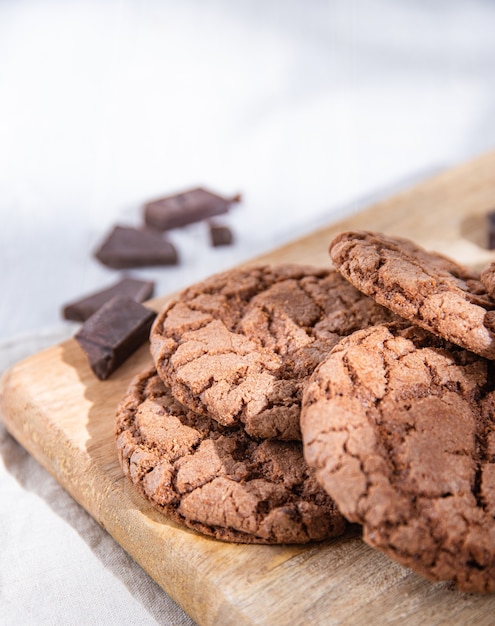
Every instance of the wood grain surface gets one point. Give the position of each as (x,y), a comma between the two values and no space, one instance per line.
(55,407)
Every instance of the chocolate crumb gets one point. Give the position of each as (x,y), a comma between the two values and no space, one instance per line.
(220,235)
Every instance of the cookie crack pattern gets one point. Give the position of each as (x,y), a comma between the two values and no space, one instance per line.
(476,489)
(408,452)
(424,287)
(217,479)
(400,252)
(240,345)
(310,327)
(354,378)
(362,505)
(441,553)
(271,328)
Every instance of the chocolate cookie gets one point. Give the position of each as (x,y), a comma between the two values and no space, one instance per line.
(423,287)
(488,279)
(218,480)
(400,427)
(240,345)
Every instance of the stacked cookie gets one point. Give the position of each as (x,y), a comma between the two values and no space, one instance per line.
(288,400)
(211,436)
(399,420)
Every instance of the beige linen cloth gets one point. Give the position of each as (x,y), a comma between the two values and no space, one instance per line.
(58,565)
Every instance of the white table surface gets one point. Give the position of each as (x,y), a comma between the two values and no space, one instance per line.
(309,108)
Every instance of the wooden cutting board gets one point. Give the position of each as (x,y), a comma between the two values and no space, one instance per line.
(54,406)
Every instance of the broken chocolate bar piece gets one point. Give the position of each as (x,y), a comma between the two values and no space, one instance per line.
(220,235)
(113,333)
(132,247)
(185,208)
(80,310)
(490,219)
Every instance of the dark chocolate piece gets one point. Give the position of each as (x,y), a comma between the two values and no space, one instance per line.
(220,235)
(113,333)
(132,247)
(490,218)
(80,310)
(185,208)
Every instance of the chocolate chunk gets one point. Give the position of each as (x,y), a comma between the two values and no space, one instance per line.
(113,333)
(185,208)
(80,310)
(132,247)
(220,235)
(490,218)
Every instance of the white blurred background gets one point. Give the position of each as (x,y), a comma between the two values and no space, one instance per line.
(305,107)
(309,108)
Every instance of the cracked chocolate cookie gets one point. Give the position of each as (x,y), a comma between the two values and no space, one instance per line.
(400,427)
(240,345)
(423,287)
(215,479)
